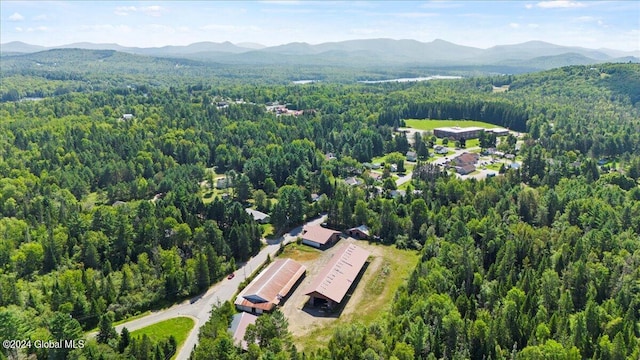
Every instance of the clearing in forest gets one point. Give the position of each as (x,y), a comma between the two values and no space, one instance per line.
(179,327)
(432,124)
(387,269)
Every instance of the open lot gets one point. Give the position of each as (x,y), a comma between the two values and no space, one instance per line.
(387,269)
(179,327)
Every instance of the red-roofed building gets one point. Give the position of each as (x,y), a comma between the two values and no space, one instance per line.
(271,286)
(238,327)
(466,159)
(338,276)
(319,237)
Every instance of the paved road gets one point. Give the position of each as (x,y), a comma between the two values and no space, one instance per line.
(403,179)
(199,308)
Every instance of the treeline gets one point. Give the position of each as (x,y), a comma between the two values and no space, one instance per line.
(494,111)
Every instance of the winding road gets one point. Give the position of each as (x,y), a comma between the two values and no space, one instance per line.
(199,307)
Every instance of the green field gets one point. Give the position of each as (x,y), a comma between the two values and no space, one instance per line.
(178,327)
(432,124)
(495,166)
(299,252)
(267,230)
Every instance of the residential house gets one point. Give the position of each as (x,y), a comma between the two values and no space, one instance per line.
(412,156)
(441,150)
(466,159)
(223,183)
(397,193)
(258,216)
(352,181)
(360,232)
(330,156)
(465,169)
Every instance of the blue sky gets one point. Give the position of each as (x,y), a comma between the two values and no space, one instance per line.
(591,24)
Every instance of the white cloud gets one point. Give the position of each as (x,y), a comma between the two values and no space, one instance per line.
(514,25)
(364,31)
(558,4)
(19,29)
(414,15)
(105,27)
(440,5)
(529,6)
(533,26)
(230,28)
(282,2)
(155,28)
(16,17)
(286,11)
(584,19)
(125,10)
(153,10)
(38,29)
(40,17)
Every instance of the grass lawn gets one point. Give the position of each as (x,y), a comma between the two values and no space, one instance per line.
(267,230)
(300,252)
(432,124)
(473,143)
(178,327)
(404,186)
(495,166)
(91,200)
(378,159)
(209,195)
(380,287)
(408,166)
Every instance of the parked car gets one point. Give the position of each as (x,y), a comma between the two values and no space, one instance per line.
(230,276)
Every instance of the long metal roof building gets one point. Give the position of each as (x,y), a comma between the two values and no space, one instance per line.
(333,282)
(270,286)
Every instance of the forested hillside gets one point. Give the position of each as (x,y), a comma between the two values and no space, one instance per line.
(105,216)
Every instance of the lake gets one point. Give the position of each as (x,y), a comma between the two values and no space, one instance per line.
(425,78)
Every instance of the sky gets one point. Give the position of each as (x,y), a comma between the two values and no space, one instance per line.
(590,24)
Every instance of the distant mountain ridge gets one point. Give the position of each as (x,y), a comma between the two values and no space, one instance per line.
(531,54)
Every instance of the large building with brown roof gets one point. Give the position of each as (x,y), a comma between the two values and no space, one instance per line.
(334,281)
(319,237)
(270,287)
(458,133)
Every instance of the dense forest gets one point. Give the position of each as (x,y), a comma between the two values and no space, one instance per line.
(103,217)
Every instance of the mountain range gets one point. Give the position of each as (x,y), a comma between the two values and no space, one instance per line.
(532,54)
